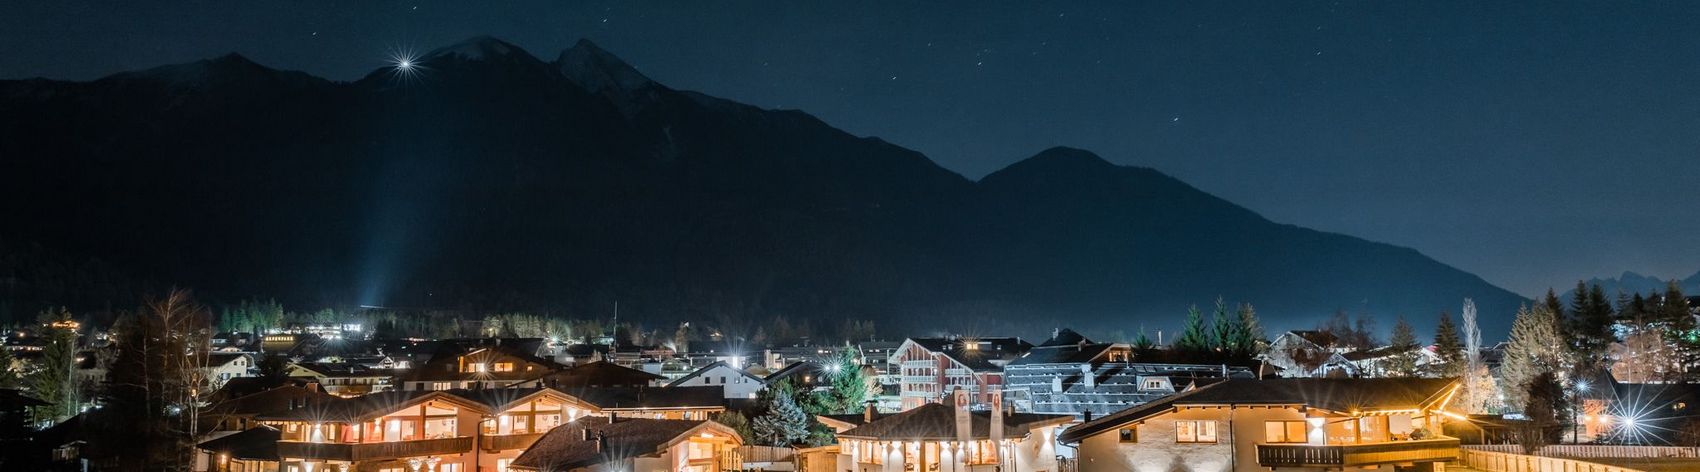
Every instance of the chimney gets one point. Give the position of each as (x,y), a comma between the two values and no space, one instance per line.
(964,425)
(1087,375)
(1086,415)
(868,411)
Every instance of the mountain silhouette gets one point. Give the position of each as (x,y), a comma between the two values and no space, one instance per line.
(490,180)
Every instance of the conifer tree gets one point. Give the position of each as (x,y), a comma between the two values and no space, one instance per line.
(1194,338)
(1227,335)
(1680,331)
(52,380)
(1253,340)
(1535,347)
(1404,344)
(784,423)
(1143,343)
(1590,330)
(1448,348)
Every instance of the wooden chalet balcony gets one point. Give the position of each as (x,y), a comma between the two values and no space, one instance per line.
(1349,455)
(507,442)
(356,452)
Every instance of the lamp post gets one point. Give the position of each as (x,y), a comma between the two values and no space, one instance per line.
(1578,388)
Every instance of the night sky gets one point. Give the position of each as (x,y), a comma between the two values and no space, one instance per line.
(1533,145)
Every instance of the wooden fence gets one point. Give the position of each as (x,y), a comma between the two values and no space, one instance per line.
(1490,461)
(1585,451)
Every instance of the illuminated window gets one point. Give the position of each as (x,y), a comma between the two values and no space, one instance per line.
(701,450)
(1284,431)
(982,453)
(441,386)
(504,367)
(502,464)
(1129,434)
(1195,431)
(870,453)
(476,367)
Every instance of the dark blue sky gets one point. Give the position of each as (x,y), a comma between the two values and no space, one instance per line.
(1531,144)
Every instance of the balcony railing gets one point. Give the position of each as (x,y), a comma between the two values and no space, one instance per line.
(507,442)
(355,452)
(1348,455)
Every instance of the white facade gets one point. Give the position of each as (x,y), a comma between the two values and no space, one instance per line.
(734,383)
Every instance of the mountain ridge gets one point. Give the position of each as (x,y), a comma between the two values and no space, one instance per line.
(514,185)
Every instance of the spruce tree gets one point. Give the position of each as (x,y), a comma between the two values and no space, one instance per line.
(1194,339)
(1448,348)
(1253,340)
(52,380)
(1591,330)
(1679,330)
(1404,343)
(784,422)
(1535,347)
(849,384)
(1143,343)
(1226,337)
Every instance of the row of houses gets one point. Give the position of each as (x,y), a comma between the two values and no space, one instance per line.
(1066,374)
(299,428)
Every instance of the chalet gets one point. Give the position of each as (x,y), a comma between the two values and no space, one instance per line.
(684,403)
(343,379)
(619,444)
(942,437)
(1070,374)
(441,431)
(1246,425)
(733,382)
(597,374)
(459,365)
(929,368)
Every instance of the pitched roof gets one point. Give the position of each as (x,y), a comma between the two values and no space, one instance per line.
(652,397)
(791,369)
(1065,337)
(217,359)
(706,368)
(565,447)
(599,373)
(1330,394)
(343,369)
(499,399)
(1063,354)
(366,406)
(1320,338)
(442,363)
(272,400)
(981,356)
(937,421)
(259,444)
